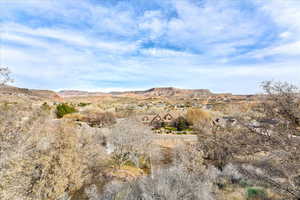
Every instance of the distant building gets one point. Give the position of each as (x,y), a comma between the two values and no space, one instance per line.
(165,117)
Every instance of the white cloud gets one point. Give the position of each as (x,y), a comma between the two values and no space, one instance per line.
(23,40)
(34,37)
(154,22)
(84,45)
(263,70)
(283,12)
(208,24)
(163,53)
(283,50)
(285,35)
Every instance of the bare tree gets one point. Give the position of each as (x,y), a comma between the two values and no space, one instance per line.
(270,129)
(99,119)
(189,156)
(40,162)
(44,158)
(5,75)
(167,184)
(283,105)
(129,140)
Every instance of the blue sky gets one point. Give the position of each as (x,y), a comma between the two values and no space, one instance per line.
(110,45)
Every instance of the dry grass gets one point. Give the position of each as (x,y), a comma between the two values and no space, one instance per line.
(42,163)
(43,158)
(74,116)
(127,172)
(195,116)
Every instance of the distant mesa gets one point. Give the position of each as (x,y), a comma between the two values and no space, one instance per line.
(170,91)
(153,92)
(167,92)
(71,93)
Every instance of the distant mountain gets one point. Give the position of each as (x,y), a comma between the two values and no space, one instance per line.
(73,93)
(167,92)
(170,91)
(15,91)
(153,92)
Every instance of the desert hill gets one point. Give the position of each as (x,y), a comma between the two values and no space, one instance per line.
(153,92)
(163,92)
(15,91)
(72,93)
(170,91)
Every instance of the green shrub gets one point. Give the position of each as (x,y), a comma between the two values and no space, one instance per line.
(255,194)
(180,123)
(63,109)
(171,128)
(83,104)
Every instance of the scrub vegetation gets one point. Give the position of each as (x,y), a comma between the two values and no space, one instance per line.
(53,150)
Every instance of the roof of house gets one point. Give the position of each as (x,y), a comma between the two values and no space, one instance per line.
(161,115)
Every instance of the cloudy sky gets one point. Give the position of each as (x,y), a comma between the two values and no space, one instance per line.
(222,45)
